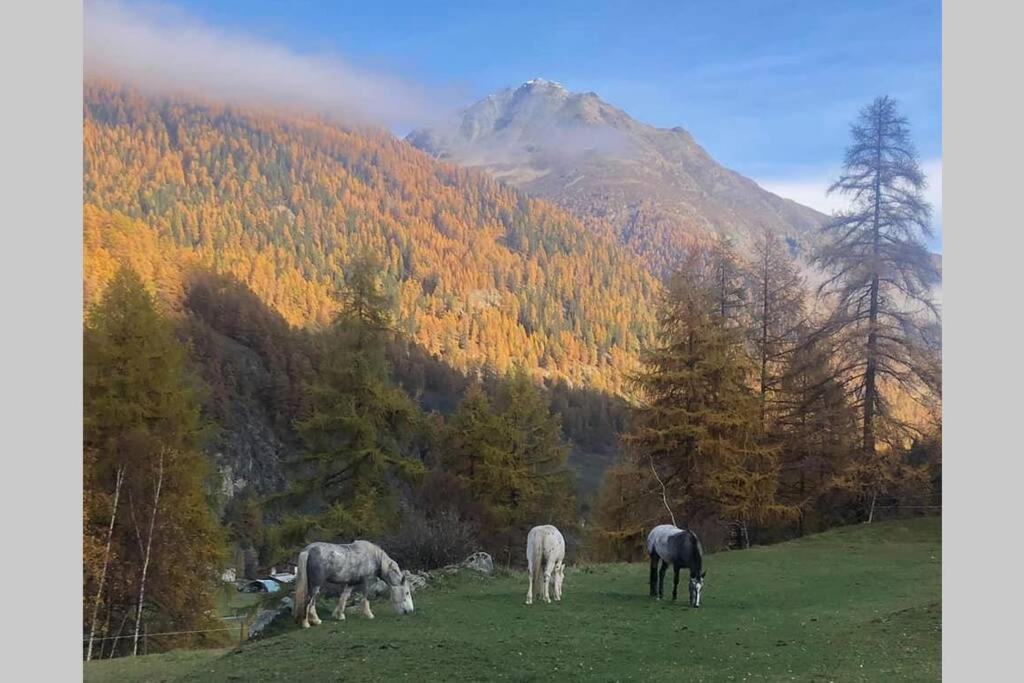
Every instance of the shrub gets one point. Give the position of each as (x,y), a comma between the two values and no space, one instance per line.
(423,542)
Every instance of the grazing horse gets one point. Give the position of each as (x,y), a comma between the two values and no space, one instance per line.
(359,563)
(680,548)
(545,557)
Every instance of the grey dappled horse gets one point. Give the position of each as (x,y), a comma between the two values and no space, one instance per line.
(680,548)
(359,563)
(545,559)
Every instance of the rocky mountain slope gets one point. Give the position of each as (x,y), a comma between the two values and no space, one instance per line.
(656,188)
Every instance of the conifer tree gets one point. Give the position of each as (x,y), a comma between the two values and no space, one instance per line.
(727,282)
(510,456)
(880,275)
(698,423)
(814,424)
(626,508)
(776,312)
(479,452)
(535,434)
(358,429)
(142,435)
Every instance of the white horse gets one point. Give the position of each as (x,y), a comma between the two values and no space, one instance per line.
(359,563)
(545,558)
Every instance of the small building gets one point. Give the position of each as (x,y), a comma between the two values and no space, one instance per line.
(261,586)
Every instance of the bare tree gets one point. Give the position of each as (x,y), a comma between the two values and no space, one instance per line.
(881,274)
(149,545)
(106,561)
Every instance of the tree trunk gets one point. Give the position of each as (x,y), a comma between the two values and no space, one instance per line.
(120,630)
(870,372)
(803,487)
(149,546)
(106,629)
(764,333)
(106,560)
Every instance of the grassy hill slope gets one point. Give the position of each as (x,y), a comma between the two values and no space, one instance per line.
(859,603)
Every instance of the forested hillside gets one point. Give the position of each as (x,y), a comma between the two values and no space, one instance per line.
(256,363)
(483,276)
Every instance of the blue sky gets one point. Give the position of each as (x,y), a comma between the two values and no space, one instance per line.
(768,88)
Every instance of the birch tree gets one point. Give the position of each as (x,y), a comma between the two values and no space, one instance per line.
(106,562)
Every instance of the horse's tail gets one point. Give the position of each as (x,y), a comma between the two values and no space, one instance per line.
(301,588)
(537,561)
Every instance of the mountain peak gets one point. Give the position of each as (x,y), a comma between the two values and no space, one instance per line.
(534,83)
(657,187)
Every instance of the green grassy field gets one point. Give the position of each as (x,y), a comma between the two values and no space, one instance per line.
(855,604)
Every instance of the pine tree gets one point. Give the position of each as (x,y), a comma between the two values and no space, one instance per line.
(776,312)
(625,509)
(535,433)
(479,453)
(881,275)
(727,281)
(510,456)
(814,425)
(698,424)
(359,427)
(142,426)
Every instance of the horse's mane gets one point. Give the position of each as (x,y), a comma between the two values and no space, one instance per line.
(387,563)
(700,546)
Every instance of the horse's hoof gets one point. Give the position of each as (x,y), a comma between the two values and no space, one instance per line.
(305,625)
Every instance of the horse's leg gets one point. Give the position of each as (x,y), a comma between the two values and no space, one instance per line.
(675,581)
(654,575)
(548,565)
(529,591)
(559,577)
(339,611)
(366,599)
(311,615)
(305,614)
(661,579)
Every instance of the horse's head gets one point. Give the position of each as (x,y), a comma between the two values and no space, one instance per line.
(401,591)
(696,586)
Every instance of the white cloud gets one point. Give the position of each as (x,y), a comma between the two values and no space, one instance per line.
(161,49)
(810,190)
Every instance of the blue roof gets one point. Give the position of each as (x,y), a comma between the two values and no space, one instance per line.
(269,585)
